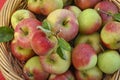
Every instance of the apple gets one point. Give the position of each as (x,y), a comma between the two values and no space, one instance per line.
(42,44)
(24,31)
(74,9)
(44,6)
(106,9)
(92,39)
(89,21)
(64,22)
(91,74)
(19,15)
(110,35)
(67,2)
(54,64)
(84,57)
(109,61)
(68,75)
(84,4)
(22,54)
(33,70)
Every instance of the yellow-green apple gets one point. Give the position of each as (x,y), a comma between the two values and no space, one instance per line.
(54,64)
(92,39)
(109,61)
(64,22)
(91,74)
(84,4)
(110,35)
(22,54)
(33,70)
(89,21)
(68,75)
(67,2)
(41,43)
(25,30)
(74,9)
(106,9)
(84,57)
(44,6)
(19,15)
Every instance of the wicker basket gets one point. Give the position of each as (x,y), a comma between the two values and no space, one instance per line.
(9,65)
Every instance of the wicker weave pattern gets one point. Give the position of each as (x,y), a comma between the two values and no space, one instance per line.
(10,66)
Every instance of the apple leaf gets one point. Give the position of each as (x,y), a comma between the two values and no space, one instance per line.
(6,34)
(46,25)
(60,52)
(116,17)
(64,44)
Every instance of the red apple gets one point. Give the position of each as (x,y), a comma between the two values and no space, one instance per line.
(25,30)
(110,35)
(33,70)
(106,9)
(91,74)
(89,21)
(84,57)
(84,4)
(41,43)
(44,6)
(22,54)
(68,75)
(64,22)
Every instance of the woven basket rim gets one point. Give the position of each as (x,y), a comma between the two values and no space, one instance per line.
(6,66)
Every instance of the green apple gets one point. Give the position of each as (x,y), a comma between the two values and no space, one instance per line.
(92,39)
(74,9)
(33,70)
(54,64)
(91,74)
(109,61)
(110,35)
(89,21)
(44,6)
(19,15)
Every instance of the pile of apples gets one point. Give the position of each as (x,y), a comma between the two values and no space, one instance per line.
(69,40)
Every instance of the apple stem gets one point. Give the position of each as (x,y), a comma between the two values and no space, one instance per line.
(65,22)
(56,34)
(23,31)
(101,48)
(102,11)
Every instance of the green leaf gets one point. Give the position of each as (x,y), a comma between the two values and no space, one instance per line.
(6,34)
(116,17)
(60,52)
(64,44)
(46,25)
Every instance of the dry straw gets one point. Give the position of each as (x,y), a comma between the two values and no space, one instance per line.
(10,67)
